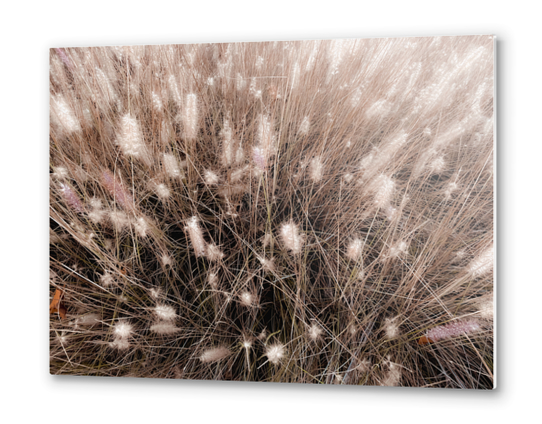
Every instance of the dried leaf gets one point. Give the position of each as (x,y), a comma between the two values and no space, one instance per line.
(56,305)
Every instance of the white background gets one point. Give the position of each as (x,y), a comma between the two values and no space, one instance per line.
(29,29)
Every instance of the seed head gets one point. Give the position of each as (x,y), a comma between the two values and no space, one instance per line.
(214,355)
(292,240)
(275,353)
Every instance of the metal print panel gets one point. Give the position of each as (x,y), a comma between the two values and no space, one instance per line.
(298,212)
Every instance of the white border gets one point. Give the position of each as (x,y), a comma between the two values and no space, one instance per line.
(31,28)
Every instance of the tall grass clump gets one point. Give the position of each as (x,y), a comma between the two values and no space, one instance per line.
(308,212)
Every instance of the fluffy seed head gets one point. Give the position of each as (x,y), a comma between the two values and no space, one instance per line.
(305,126)
(275,353)
(260,156)
(391,328)
(398,249)
(157,102)
(238,174)
(213,252)
(247,298)
(486,309)
(119,220)
(71,198)
(437,166)
(292,240)
(165,312)
(190,116)
(174,90)
(123,329)
(166,260)
(171,166)
(393,377)
(215,354)
(482,264)
(61,173)
(453,329)
(196,236)
(107,279)
(87,320)
(354,249)
(141,227)
(130,138)
(63,115)
(117,190)
(120,343)
(164,327)
(162,191)
(316,170)
(315,332)
(227,144)
(210,177)
(384,189)
(213,280)
(268,264)
(266,140)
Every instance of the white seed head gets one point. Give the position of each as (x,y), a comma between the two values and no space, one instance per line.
(227,144)
(305,126)
(393,376)
(213,280)
(166,260)
(63,116)
(275,353)
(157,102)
(165,312)
(210,177)
(379,109)
(215,354)
(315,332)
(268,264)
(120,343)
(247,298)
(155,293)
(291,238)
(398,249)
(437,165)
(196,236)
(355,249)
(141,227)
(316,169)
(162,191)
(164,327)
(190,116)
(97,216)
(482,264)
(391,328)
(171,166)
(123,329)
(107,279)
(238,174)
(61,173)
(486,309)
(384,188)
(119,220)
(130,138)
(87,320)
(213,252)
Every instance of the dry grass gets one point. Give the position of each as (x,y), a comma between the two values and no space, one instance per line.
(290,212)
